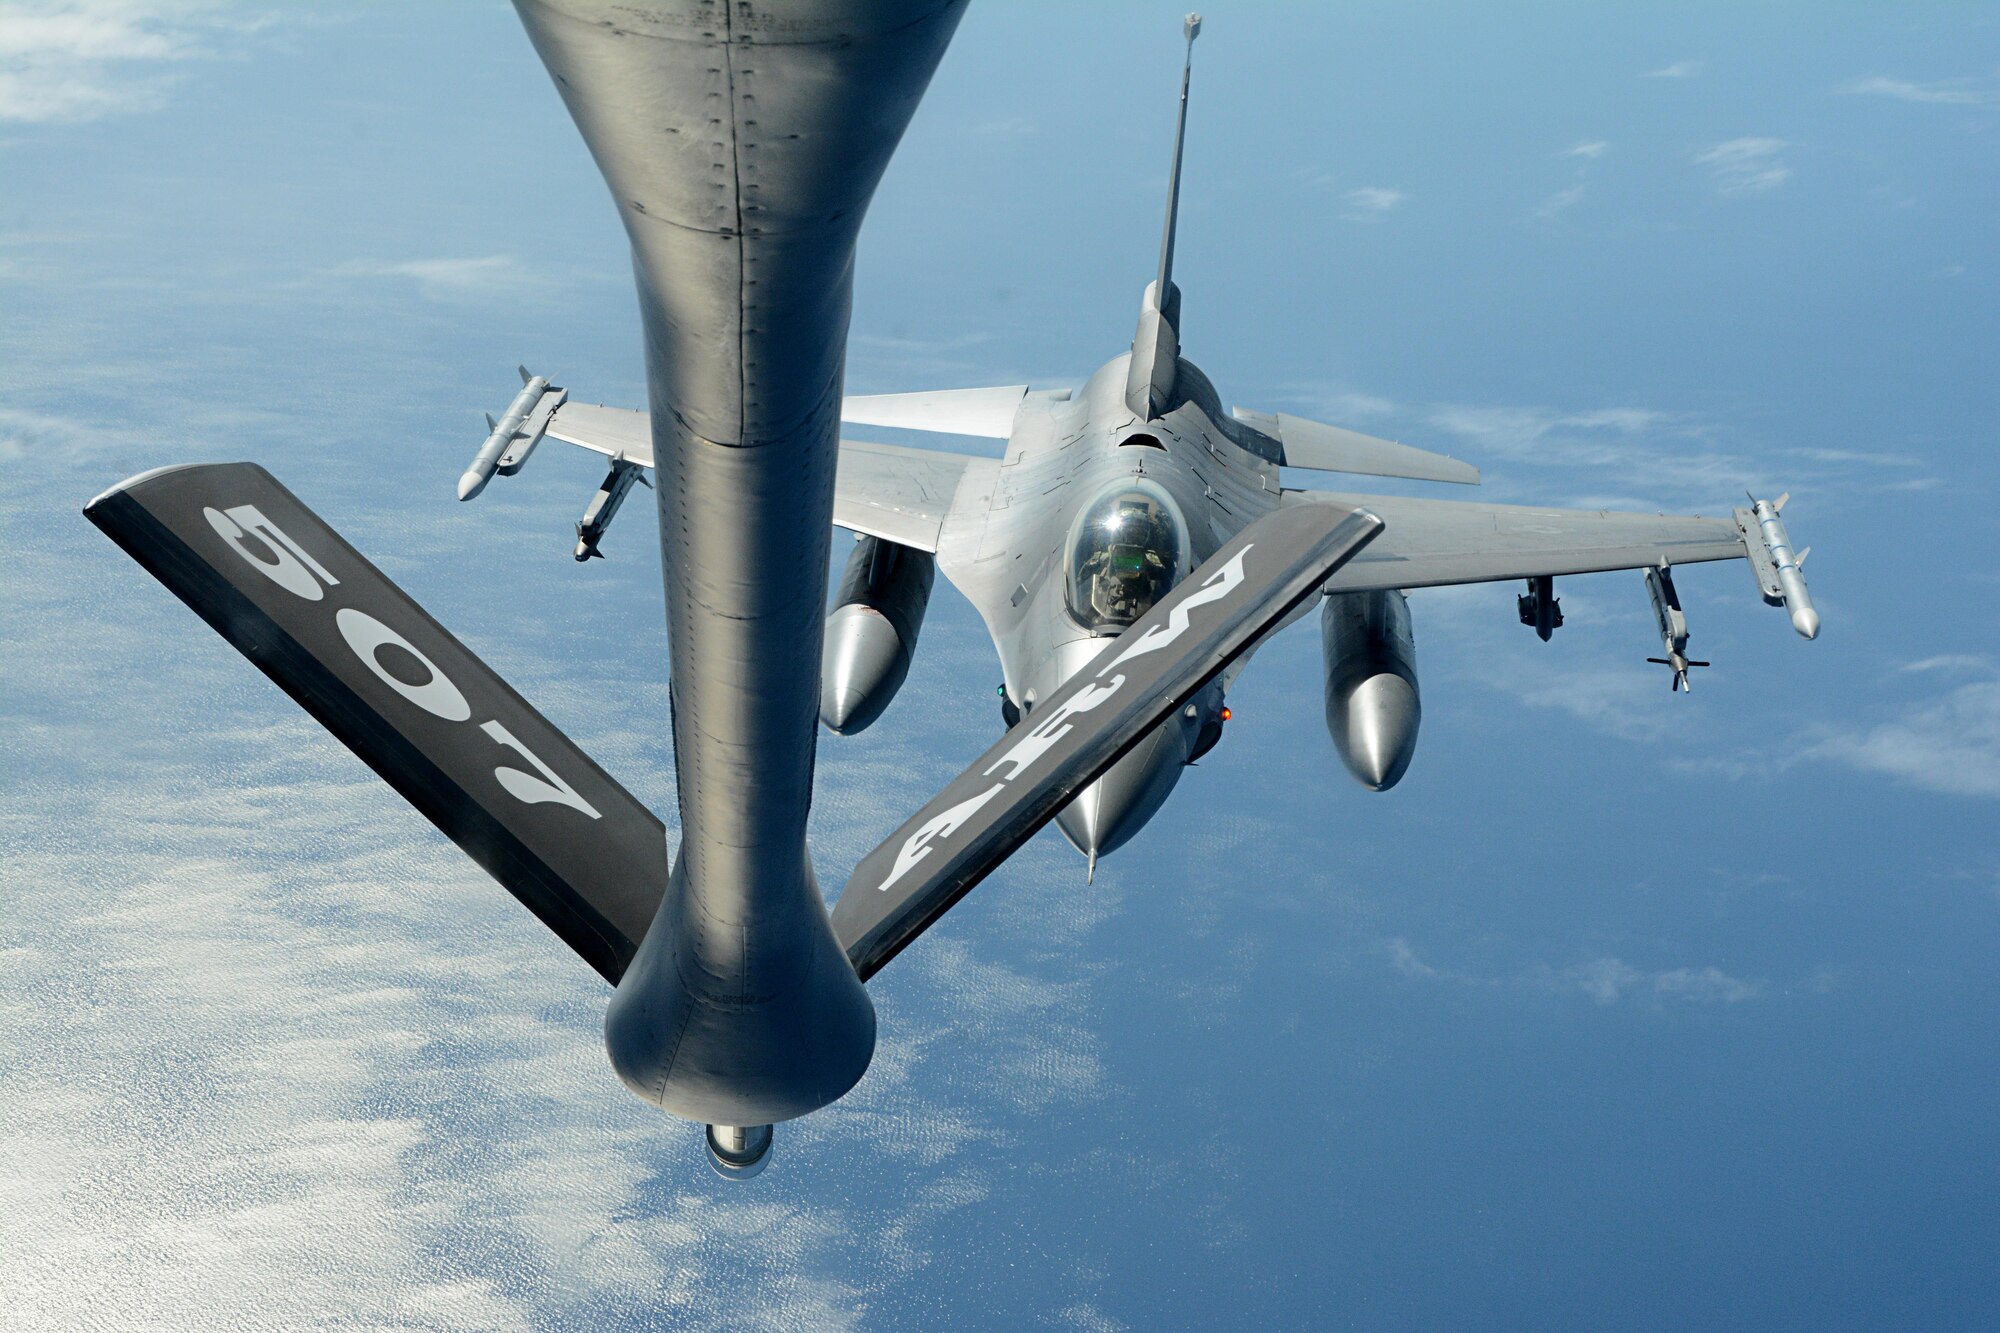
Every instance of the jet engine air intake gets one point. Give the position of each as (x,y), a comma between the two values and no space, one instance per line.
(1372,706)
(872,632)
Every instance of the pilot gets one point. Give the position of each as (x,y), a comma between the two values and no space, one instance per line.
(1125,559)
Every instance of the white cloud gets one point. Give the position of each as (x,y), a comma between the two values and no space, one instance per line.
(1680,69)
(38,434)
(1620,700)
(1560,202)
(450,279)
(1668,453)
(1950,92)
(1746,166)
(1605,980)
(1369,203)
(1951,662)
(1585,154)
(1950,744)
(72,60)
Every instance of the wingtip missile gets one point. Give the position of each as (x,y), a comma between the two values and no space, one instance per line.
(1783,582)
(505,437)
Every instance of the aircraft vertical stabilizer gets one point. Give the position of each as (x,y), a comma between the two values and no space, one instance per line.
(1156,347)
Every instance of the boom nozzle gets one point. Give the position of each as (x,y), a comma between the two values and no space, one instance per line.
(738,1152)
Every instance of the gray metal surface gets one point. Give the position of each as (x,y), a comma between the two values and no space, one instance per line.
(397,689)
(878,612)
(1111,704)
(741,141)
(1373,706)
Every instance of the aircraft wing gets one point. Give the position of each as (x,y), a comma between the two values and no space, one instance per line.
(1431,542)
(618,432)
(1214,615)
(988,412)
(884,490)
(901,495)
(1322,448)
(411,701)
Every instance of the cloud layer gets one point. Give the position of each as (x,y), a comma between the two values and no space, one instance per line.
(1746,166)
(72,60)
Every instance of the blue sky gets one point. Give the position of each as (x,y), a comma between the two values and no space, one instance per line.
(1624,1009)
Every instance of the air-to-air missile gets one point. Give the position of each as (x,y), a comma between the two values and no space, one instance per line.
(1673,625)
(872,631)
(1372,705)
(1778,570)
(507,444)
(603,506)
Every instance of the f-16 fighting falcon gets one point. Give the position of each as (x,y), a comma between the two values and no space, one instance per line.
(1108,496)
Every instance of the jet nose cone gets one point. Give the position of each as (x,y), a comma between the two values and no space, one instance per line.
(1104,816)
(1381,718)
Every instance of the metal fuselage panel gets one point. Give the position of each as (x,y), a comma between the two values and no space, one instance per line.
(742,141)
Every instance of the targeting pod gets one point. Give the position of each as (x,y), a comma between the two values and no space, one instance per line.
(1673,625)
(1777,569)
(514,436)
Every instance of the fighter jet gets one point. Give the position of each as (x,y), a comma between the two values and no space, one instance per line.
(1107,496)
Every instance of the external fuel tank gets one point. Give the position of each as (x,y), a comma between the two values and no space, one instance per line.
(1372,708)
(872,631)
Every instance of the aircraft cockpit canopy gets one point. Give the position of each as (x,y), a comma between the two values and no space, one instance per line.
(1126,549)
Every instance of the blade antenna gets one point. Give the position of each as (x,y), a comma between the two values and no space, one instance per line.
(1192,27)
